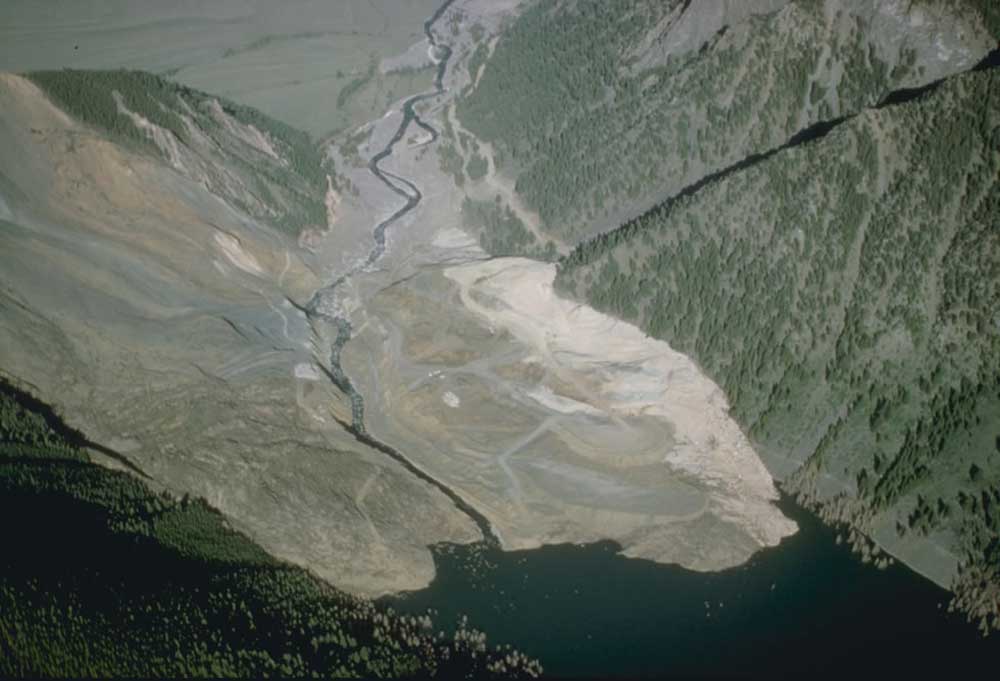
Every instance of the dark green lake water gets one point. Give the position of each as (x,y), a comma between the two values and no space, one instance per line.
(804,609)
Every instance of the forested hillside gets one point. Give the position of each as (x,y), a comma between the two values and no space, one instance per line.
(845,294)
(111,579)
(591,126)
(266,168)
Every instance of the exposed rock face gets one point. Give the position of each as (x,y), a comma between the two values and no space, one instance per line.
(689,25)
(159,320)
(940,39)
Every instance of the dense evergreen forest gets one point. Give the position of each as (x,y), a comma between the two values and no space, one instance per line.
(103,577)
(589,127)
(292,186)
(501,232)
(844,293)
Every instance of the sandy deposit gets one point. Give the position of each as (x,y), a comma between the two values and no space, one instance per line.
(559,424)
(634,375)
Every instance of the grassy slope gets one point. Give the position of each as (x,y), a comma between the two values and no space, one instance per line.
(88,97)
(844,294)
(103,577)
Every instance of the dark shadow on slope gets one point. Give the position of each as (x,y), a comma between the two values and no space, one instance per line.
(814,132)
(990,61)
(904,95)
(489,536)
(72,436)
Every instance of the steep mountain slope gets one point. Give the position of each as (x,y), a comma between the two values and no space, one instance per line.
(845,295)
(596,111)
(149,293)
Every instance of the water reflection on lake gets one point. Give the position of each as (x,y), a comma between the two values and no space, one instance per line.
(804,609)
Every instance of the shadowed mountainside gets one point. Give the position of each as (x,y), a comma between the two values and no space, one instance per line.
(129,582)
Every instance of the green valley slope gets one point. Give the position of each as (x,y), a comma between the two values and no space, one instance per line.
(844,294)
(597,111)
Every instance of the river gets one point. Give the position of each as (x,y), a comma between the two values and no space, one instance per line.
(325,298)
(402,187)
